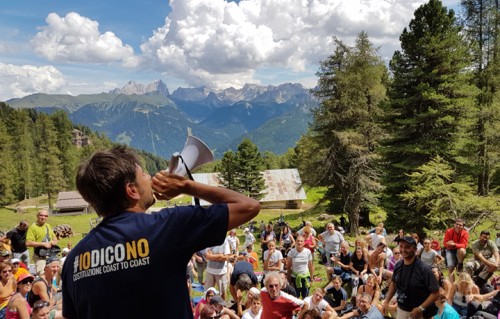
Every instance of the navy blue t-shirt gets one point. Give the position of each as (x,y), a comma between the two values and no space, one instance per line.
(133,265)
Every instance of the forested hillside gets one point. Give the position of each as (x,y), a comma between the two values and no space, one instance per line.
(39,157)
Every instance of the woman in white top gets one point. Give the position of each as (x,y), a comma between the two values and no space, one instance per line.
(300,268)
(272,258)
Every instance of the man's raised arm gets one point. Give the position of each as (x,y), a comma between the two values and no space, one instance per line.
(241,208)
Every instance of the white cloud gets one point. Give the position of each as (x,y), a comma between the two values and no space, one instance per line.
(74,38)
(18,81)
(219,43)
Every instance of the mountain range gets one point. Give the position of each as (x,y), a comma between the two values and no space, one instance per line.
(150,118)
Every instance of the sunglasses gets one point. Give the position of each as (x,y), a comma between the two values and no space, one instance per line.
(40,304)
(273,286)
(26,282)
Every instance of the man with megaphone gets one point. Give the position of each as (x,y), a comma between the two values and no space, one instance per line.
(133,265)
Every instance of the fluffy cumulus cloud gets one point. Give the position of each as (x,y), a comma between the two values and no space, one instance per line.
(74,38)
(221,43)
(18,81)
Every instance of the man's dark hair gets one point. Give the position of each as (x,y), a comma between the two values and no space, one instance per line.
(244,282)
(102,179)
(485,232)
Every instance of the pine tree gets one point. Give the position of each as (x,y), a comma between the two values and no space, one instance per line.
(241,171)
(22,131)
(68,151)
(7,171)
(344,135)
(249,179)
(481,144)
(227,169)
(50,169)
(430,93)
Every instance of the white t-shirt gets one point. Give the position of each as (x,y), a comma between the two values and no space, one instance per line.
(275,258)
(300,261)
(233,241)
(249,315)
(319,307)
(332,241)
(375,240)
(249,239)
(218,267)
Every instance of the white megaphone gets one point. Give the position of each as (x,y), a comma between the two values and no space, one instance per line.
(194,154)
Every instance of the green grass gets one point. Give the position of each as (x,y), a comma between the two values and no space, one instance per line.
(81,223)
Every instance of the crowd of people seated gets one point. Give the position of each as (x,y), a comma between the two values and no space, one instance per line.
(357,275)
(238,283)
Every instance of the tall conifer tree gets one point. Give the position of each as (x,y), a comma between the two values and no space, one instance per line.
(430,93)
(50,168)
(344,134)
(481,144)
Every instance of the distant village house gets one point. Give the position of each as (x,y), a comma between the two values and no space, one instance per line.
(79,139)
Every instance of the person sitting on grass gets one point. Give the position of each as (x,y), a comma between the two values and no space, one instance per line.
(222,312)
(461,293)
(430,256)
(341,263)
(359,267)
(209,294)
(275,303)
(445,311)
(372,288)
(18,307)
(376,263)
(366,309)
(336,296)
(41,310)
(318,303)
(255,310)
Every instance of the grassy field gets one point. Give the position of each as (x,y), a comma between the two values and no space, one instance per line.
(10,217)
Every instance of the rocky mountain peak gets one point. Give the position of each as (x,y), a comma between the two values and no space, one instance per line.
(132,87)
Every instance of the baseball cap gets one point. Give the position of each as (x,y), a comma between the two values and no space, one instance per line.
(407,239)
(24,276)
(217,300)
(246,230)
(15,260)
(51,259)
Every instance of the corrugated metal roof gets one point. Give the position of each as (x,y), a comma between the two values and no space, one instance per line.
(72,199)
(281,184)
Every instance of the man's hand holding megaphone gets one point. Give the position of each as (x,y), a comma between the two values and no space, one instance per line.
(167,185)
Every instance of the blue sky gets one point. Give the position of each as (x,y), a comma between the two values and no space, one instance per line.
(76,47)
